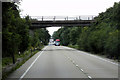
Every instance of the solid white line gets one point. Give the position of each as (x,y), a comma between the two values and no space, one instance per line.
(94,56)
(32,64)
(104,59)
(98,57)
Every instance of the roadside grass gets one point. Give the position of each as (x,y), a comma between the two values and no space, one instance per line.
(73,46)
(7,61)
(99,54)
(24,60)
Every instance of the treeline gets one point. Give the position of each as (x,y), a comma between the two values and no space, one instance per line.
(16,35)
(103,37)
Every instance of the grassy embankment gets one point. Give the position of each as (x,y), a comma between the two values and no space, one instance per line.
(6,62)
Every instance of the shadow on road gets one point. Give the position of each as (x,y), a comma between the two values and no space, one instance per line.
(58,50)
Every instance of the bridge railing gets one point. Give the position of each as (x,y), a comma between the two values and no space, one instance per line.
(62,18)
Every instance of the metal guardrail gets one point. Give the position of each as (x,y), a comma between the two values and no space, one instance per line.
(62,18)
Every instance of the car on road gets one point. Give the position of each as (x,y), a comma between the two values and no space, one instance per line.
(57,42)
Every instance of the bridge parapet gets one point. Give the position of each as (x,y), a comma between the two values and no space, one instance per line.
(62,18)
(59,21)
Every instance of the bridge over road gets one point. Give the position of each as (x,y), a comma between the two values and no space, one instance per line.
(68,23)
(55,21)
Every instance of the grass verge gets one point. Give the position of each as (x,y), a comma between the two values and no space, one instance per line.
(73,46)
(6,62)
(102,55)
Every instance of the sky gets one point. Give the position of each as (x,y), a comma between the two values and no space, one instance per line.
(64,8)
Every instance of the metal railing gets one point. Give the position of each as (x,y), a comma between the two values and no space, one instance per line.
(62,18)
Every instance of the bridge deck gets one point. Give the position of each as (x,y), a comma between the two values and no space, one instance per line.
(69,23)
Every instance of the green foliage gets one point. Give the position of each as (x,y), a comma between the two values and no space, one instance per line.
(63,35)
(10,36)
(6,61)
(74,34)
(16,33)
(103,37)
(41,36)
(112,44)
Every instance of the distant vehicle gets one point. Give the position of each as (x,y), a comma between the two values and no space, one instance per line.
(57,42)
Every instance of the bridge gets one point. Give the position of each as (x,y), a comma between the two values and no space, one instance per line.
(43,22)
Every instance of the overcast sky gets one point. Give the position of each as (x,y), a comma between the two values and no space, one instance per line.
(64,8)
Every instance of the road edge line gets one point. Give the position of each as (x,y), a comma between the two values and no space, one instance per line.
(32,64)
(98,57)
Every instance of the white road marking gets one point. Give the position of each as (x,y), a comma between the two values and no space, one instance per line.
(93,56)
(76,65)
(32,64)
(81,69)
(73,61)
(101,58)
(89,77)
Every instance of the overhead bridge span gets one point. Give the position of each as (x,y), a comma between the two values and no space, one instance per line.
(67,23)
(60,21)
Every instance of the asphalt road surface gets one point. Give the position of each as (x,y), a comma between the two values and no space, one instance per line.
(63,62)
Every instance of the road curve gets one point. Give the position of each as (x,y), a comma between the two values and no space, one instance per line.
(63,62)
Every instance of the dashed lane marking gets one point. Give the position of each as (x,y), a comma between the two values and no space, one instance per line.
(76,65)
(94,56)
(81,69)
(90,77)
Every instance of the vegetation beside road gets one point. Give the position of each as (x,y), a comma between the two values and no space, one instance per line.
(103,37)
(16,35)
(20,60)
(17,39)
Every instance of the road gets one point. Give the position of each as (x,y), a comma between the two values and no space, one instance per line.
(63,62)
